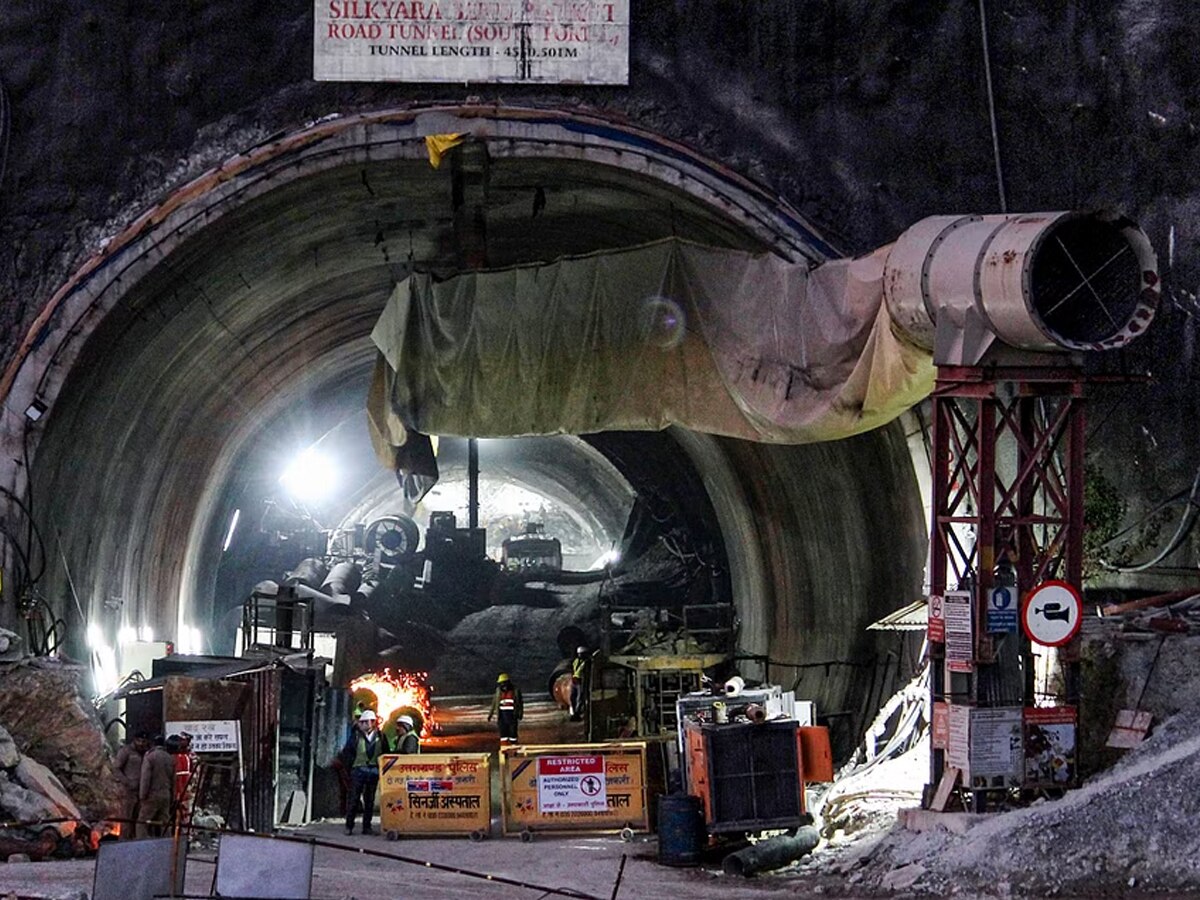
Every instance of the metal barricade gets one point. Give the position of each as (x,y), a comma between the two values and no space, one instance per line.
(435,793)
(598,788)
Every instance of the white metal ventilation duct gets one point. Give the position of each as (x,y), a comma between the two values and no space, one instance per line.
(725,342)
(1062,281)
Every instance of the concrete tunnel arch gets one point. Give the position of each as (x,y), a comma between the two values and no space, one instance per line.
(161,364)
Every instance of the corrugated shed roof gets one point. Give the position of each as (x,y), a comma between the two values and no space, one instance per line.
(914,617)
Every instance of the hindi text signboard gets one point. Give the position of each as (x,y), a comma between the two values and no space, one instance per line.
(460,41)
(435,793)
(1002,610)
(937,620)
(1050,734)
(997,748)
(209,735)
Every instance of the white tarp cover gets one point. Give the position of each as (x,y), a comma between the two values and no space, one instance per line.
(669,333)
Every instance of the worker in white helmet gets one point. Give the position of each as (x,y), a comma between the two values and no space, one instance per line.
(407,739)
(361,756)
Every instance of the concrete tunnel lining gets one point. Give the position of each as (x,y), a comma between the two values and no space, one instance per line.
(181,440)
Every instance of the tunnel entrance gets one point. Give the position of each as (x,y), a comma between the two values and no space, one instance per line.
(231,325)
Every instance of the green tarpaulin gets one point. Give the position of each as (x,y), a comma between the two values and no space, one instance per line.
(670,333)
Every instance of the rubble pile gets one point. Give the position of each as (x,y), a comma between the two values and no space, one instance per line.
(54,763)
(1128,829)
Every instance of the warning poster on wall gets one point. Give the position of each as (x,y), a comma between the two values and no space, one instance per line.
(571,784)
(526,41)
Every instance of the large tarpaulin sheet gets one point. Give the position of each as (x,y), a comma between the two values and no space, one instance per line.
(670,333)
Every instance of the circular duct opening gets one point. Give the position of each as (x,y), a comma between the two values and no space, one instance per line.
(1090,282)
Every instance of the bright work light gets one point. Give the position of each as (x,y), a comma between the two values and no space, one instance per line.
(310,477)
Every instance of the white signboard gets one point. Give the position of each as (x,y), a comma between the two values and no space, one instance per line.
(997,745)
(524,41)
(209,736)
(1052,613)
(570,784)
(960,641)
(958,747)
(987,744)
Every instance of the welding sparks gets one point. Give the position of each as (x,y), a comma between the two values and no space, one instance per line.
(400,691)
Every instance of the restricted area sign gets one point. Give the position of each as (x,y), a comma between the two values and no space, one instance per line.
(1052,613)
(571,784)
(574,787)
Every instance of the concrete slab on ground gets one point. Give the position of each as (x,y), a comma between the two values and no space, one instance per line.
(917,819)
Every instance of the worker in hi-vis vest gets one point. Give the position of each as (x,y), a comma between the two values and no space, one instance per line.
(579,672)
(361,756)
(408,740)
(508,707)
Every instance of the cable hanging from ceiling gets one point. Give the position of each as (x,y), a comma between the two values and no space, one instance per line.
(987,74)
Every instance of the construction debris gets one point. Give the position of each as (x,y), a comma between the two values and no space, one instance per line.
(45,709)
(56,781)
(1146,800)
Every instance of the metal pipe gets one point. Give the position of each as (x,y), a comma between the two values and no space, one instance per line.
(773,853)
(344,578)
(1050,281)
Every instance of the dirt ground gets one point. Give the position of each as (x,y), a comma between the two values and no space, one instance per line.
(589,865)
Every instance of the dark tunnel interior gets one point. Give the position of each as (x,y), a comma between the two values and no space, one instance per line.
(249,343)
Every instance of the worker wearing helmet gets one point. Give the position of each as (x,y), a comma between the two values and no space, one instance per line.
(407,739)
(361,756)
(508,706)
(579,667)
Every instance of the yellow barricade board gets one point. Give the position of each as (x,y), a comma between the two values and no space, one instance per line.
(576,787)
(435,793)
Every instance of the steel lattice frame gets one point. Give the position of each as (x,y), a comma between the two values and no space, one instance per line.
(1008,463)
(1008,470)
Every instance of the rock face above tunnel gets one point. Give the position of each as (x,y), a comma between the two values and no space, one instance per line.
(51,722)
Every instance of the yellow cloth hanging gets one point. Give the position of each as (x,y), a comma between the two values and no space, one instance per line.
(438,145)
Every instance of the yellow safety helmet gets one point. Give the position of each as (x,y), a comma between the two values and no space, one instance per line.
(503,678)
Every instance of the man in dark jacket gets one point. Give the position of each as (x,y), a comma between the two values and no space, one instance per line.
(128,769)
(156,789)
(361,756)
